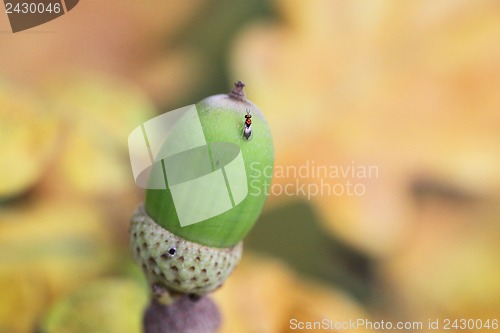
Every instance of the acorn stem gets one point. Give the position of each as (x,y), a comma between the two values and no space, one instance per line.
(186,315)
(237,92)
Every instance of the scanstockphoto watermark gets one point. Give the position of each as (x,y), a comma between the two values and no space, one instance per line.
(312,179)
(27,14)
(355,325)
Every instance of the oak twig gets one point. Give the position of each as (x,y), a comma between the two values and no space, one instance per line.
(186,315)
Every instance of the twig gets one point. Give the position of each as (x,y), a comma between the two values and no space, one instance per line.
(185,315)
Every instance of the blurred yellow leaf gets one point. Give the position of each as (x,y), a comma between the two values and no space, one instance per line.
(47,249)
(28,135)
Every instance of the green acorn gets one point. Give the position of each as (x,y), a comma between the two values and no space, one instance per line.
(198,257)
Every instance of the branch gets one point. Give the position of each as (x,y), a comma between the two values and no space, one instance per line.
(186,315)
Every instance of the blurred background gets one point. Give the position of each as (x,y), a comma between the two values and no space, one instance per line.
(410,89)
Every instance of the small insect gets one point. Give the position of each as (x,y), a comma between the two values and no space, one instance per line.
(247,130)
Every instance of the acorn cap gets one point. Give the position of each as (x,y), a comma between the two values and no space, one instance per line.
(174,265)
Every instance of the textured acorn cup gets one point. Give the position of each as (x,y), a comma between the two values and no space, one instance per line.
(196,259)
(174,265)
